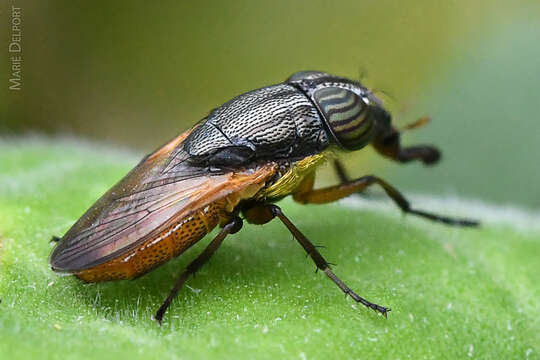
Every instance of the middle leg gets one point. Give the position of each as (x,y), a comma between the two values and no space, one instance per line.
(333,193)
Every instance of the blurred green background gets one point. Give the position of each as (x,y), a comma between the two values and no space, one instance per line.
(137,73)
(132,74)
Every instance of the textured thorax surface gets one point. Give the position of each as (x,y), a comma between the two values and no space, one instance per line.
(277,121)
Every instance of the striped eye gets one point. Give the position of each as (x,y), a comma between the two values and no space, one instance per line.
(346,115)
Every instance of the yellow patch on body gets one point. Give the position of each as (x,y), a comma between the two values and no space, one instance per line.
(291,179)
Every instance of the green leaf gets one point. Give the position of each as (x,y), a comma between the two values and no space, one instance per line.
(454,293)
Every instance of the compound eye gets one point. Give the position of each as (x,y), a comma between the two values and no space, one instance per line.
(346,114)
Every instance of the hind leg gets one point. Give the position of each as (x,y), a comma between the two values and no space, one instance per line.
(261,213)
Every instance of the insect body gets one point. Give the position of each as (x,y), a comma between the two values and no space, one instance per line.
(243,157)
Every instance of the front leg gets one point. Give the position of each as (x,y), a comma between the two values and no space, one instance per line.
(341,172)
(334,193)
(388,144)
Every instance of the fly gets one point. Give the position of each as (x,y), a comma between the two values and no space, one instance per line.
(233,166)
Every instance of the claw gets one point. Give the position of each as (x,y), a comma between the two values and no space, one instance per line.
(380,309)
(384,311)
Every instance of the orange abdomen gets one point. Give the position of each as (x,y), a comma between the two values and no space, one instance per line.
(169,243)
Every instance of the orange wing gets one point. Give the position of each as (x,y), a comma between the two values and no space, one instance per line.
(161,189)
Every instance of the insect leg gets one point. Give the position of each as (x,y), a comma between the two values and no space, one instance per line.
(333,193)
(339,168)
(232,227)
(320,262)
(387,143)
(344,177)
